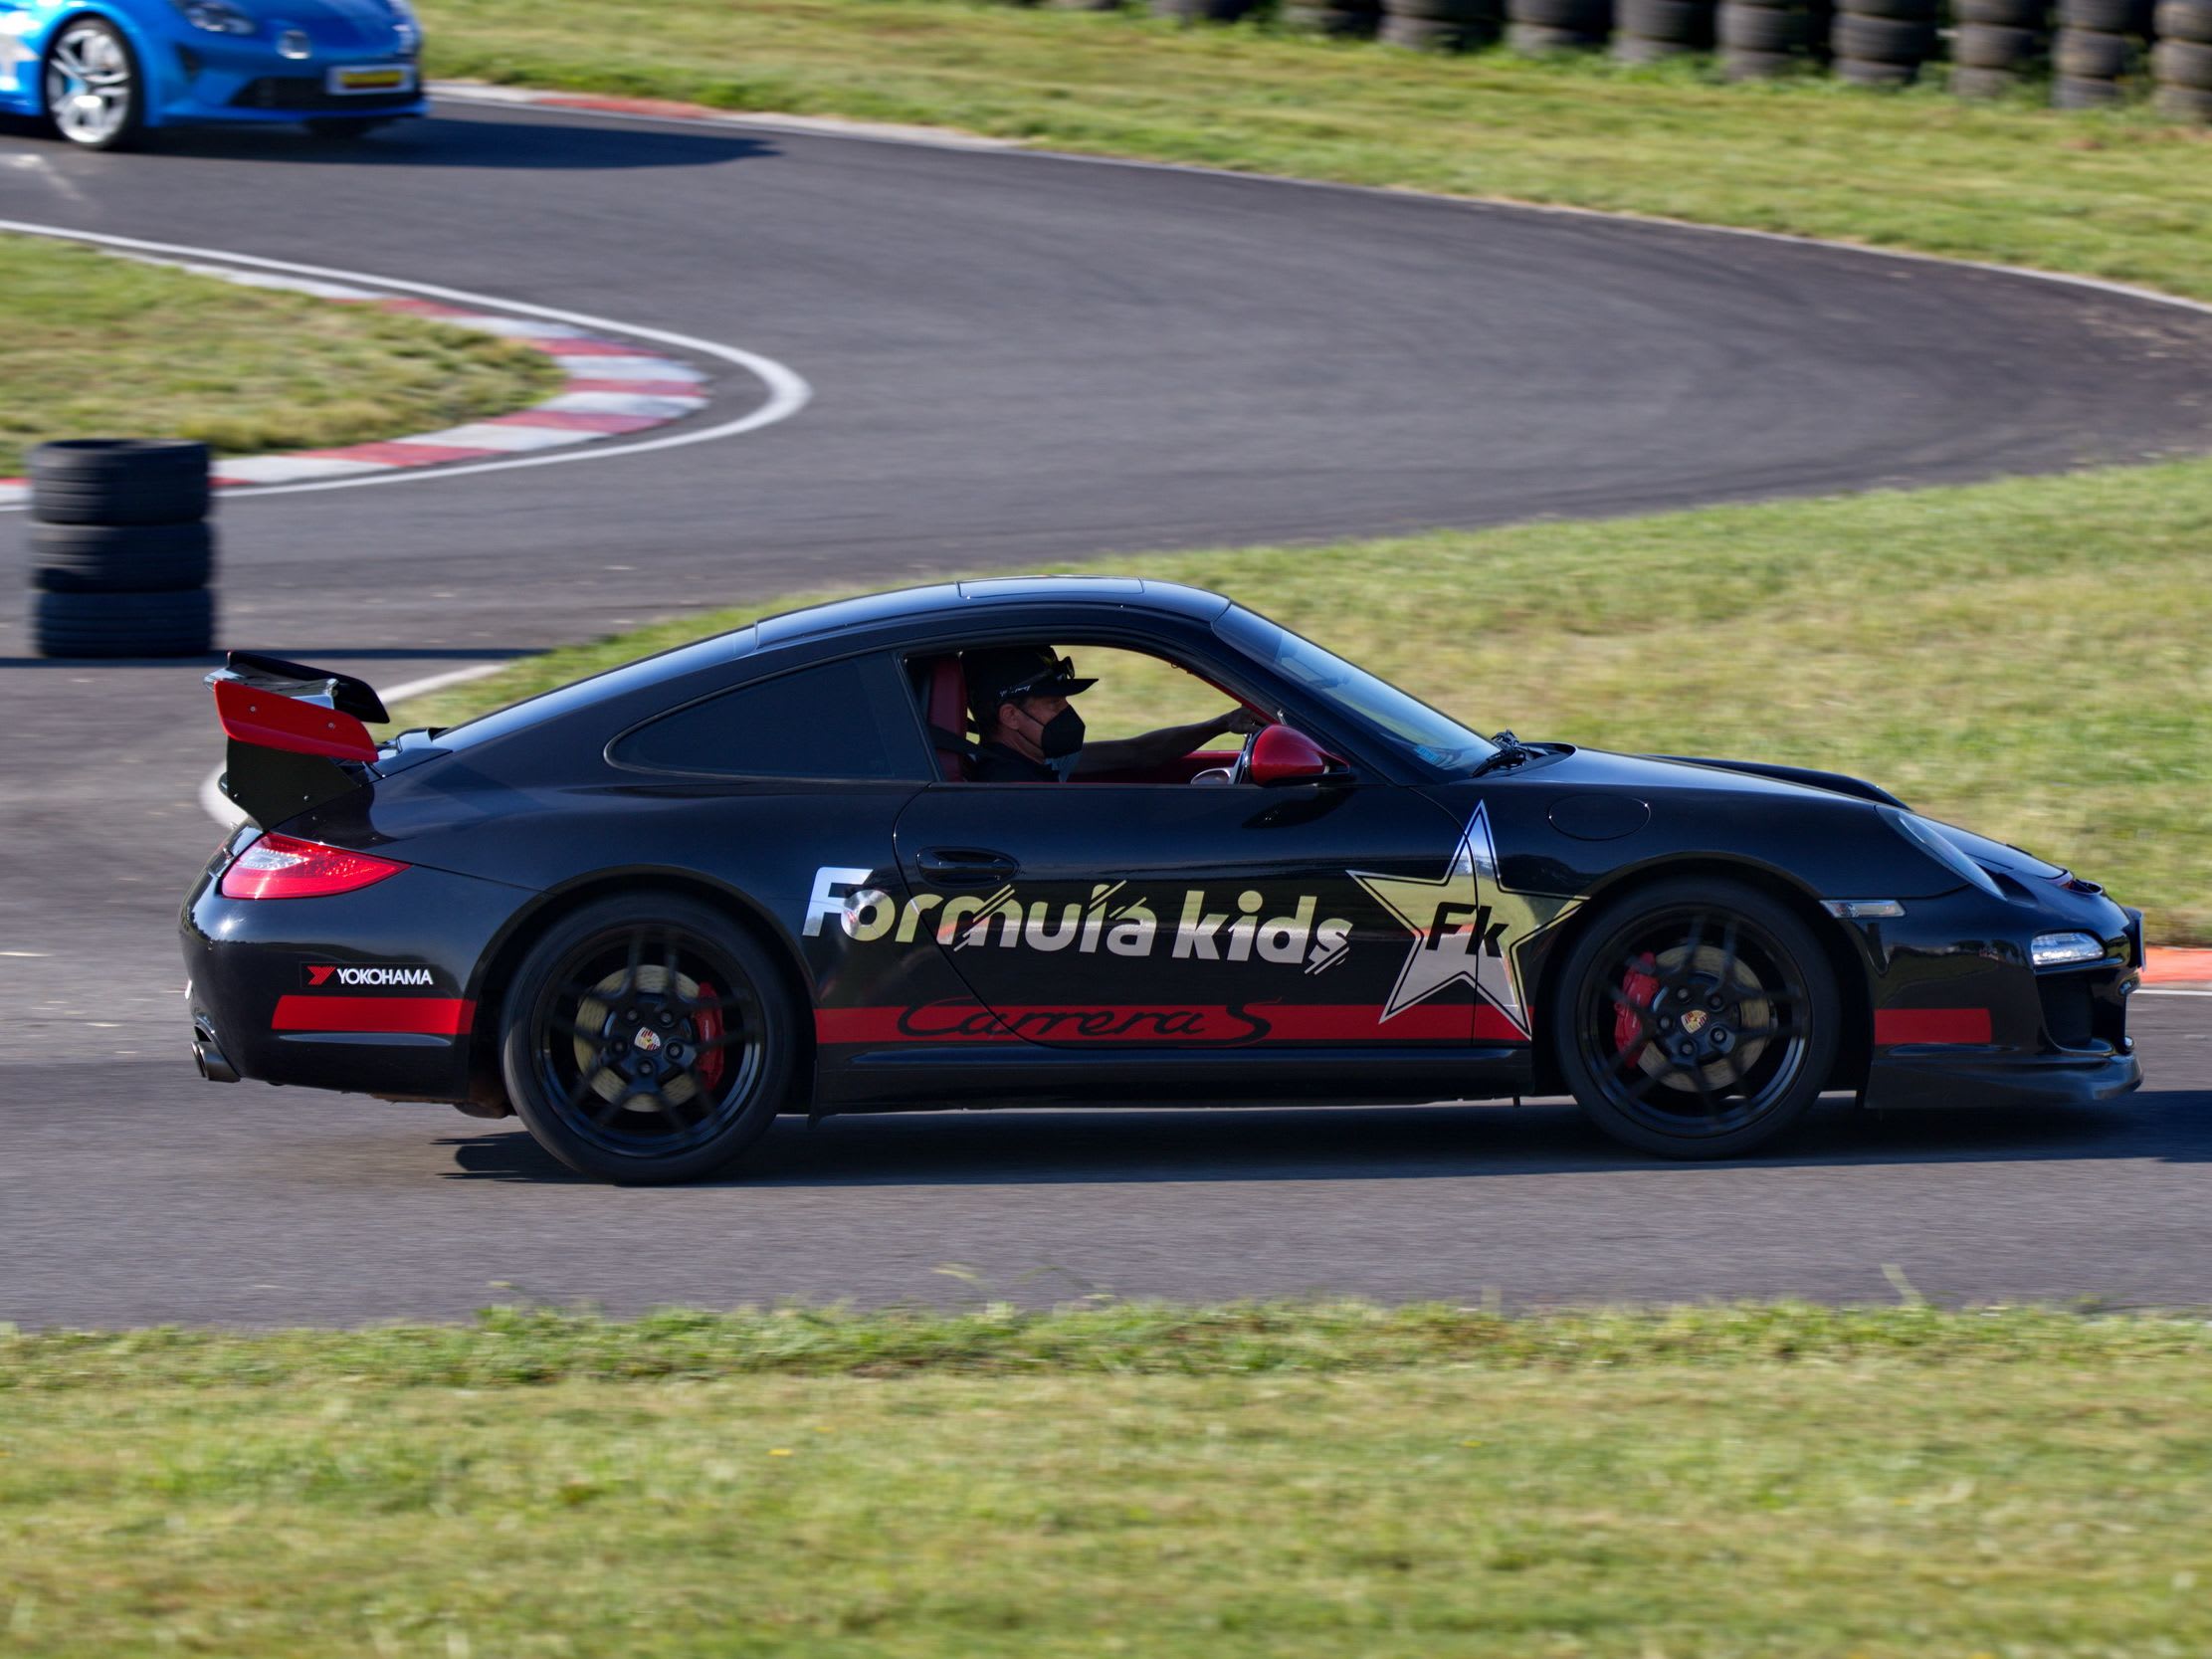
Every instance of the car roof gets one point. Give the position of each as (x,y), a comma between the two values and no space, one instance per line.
(982,597)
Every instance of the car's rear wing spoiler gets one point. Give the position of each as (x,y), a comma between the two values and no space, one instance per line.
(297,738)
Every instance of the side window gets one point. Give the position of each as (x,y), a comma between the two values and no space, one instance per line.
(832,721)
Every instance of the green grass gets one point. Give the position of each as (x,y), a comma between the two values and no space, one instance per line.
(2027,657)
(1898,1484)
(2111,194)
(102,347)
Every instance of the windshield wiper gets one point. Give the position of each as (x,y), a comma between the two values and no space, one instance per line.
(1510,752)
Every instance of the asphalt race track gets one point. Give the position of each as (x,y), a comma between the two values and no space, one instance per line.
(1017,362)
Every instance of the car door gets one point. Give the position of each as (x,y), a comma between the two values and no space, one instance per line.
(1082,914)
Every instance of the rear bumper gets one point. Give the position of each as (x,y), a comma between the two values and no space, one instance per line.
(270,997)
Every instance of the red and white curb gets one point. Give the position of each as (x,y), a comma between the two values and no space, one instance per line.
(613,388)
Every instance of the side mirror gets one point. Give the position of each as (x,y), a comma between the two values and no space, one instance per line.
(1284,755)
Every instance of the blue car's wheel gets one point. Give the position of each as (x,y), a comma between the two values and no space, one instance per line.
(95,96)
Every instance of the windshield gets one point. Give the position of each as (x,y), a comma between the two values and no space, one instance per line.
(1432,738)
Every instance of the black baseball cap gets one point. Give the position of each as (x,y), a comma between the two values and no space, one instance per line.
(1009,673)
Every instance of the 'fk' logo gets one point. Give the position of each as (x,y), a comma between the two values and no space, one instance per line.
(1466,926)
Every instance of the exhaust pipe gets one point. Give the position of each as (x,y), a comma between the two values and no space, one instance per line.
(208,1058)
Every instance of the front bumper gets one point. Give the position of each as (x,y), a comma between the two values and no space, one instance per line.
(210,78)
(1962,1017)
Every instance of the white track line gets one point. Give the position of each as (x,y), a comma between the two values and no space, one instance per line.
(860,133)
(224,810)
(788,392)
(2167,990)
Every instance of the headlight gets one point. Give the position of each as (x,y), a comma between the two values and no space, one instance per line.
(406,25)
(1927,835)
(217,17)
(2057,950)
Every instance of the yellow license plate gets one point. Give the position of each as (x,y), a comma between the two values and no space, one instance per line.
(393,79)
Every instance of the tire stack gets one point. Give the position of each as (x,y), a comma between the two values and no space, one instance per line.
(1883,43)
(2182,59)
(1534,27)
(1439,25)
(1649,30)
(1204,11)
(1759,39)
(2093,51)
(1995,43)
(1345,19)
(121,548)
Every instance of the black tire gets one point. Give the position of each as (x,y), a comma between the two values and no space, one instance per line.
(2084,94)
(1478,14)
(2184,20)
(1734,961)
(2182,64)
(1901,11)
(1985,83)
(1738,65)
(574,1046)
(1862,72)
(1423,34)
(1534,40)
(345,129)
(2083,57)
(1203,11)
(2002,14)
(2184,104)
(120,558)
(125,624)
(133,123)
(1674,22)
(119,481)
(1588,18)
(1985,46)
(1632,49)
(1760,30)
(1879,40)
(1343,22)
(2104,17)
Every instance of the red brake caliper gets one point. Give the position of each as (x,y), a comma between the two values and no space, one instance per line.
(1639,985)
(710,1023)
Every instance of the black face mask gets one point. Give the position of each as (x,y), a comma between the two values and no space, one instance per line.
(1061,736)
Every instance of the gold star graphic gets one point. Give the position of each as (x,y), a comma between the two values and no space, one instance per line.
(1468,927)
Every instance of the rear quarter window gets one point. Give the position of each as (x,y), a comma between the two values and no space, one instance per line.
(845,719)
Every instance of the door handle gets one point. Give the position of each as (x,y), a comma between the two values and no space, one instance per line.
(965,865)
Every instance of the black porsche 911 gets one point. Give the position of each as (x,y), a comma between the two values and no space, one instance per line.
(854,858)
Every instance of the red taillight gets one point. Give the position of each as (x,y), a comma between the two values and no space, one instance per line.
(278,867)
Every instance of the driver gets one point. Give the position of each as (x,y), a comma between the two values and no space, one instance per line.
(1018,698)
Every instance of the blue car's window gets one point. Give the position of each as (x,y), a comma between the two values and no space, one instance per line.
(1435,740)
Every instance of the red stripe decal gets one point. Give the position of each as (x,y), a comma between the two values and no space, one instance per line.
(429,1016)
(972,1022)
(564,345)
(1931,1025)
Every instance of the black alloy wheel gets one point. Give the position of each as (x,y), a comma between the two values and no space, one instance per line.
(1698,1019)
(648,1040)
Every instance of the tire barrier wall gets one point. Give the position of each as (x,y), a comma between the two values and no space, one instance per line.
(1538,26)
(1759,39)
(2102,52)
(1883,43)
(1439,25)
(1995,44)
(2181,62)
(121,548)
(1349,19)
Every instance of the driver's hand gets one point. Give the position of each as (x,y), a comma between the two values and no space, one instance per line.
(1243,721)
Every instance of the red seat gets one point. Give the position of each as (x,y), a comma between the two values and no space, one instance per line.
(946,695)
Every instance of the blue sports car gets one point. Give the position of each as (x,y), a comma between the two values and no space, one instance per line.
(105,71)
